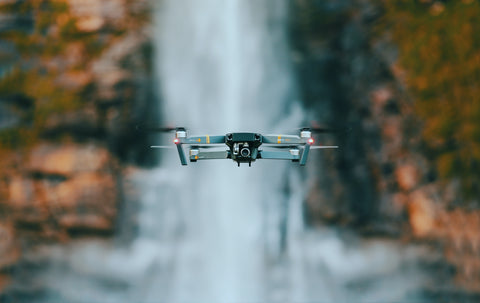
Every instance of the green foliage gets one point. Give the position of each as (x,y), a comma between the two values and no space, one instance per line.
(439,48)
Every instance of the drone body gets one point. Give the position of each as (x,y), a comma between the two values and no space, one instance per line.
(245,147)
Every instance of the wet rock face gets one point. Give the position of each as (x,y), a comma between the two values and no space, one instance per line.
(65,190)
(457,231)
(407,176)
(66,160)
(348,84)
(94,14)
(422,212)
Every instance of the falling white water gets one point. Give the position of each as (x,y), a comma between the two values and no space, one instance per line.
(214,232)
(221,71)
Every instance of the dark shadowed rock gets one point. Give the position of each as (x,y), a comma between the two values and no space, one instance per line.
(81,124)
(8,117)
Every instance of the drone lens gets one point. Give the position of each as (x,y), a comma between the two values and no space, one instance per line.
(245,152)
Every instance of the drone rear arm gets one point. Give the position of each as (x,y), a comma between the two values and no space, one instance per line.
(297,155)
(293,154)
(196,154)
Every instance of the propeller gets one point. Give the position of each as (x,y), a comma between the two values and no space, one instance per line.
(323,130)
(162,146)
(158,129)
(296,146)
(207,146)
(323,146)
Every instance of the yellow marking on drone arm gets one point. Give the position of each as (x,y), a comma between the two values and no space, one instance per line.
(208,139)
(279,139)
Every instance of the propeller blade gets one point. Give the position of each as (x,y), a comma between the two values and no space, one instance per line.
(323,147)
(207,146)
(282,146)
(165,129)
(323,130)
(162,146)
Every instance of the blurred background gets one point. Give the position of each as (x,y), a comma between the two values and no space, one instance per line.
(89,213)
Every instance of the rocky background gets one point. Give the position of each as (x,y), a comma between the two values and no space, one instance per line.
(372,66)
(76,77)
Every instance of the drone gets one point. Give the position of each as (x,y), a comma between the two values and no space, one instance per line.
(244,147)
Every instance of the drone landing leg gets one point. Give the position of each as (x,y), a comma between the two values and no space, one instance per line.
(181,154)
(304,156)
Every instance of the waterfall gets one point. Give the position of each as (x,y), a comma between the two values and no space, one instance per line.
(214,232)
(239,235)
(222,68)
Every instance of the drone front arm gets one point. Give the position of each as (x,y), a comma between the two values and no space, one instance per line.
(203,140)
(283,139)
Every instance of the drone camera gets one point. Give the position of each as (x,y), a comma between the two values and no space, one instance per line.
(245,152)
(242,149)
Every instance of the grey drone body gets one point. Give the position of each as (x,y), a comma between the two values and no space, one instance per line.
(245,147)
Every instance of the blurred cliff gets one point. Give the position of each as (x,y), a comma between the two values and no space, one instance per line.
(403,75)
(75,78)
